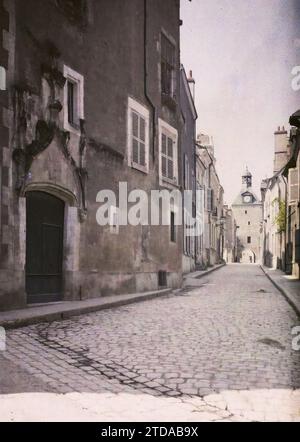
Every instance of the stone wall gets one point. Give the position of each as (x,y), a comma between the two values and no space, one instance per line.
(103,42)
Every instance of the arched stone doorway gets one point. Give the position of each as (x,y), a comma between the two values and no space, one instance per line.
(44,246)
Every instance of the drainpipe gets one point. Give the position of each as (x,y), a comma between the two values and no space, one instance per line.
(145,82)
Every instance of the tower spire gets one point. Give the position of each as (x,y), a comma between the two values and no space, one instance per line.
(247,178)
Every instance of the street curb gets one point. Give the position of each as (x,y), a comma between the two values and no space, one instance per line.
(283,292)
(207,272)
(77,311)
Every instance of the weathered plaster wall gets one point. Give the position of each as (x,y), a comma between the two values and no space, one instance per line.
(107,48)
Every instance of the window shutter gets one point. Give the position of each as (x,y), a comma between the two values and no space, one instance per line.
(168,152)
(164,166)
(293,186)
(170,147)
(135,151)
(142,154)
(142,128)
(170,169)
(164,144)
(135,124)
(138,139)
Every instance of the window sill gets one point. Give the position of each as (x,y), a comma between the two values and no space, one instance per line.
(169,183)
(143,169)
(73,128)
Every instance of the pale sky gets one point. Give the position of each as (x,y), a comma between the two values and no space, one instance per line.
(241,53)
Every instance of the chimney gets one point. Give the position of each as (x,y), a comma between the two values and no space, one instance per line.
(280,148)
(191,83)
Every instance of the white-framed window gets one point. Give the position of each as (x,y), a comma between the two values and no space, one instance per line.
(168,153)
(73,100)
(138,136)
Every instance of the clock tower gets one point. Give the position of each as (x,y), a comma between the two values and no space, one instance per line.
(247,211)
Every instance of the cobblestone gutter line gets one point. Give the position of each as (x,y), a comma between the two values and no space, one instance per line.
(110,370)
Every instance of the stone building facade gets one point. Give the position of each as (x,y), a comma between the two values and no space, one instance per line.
(188,161)
(247,212)
(291,174)
(84,109)
(281,202)
(210,244)
(273,191)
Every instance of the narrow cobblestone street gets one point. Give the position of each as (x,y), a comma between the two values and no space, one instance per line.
(219,351)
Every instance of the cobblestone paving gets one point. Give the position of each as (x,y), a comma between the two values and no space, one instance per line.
(232,332)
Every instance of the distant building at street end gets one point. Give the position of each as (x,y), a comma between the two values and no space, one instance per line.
(247,212)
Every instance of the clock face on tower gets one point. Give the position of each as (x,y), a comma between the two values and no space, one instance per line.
(247,199)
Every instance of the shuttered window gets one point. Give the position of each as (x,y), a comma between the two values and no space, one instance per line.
(168,153)
(294,185)
(167,157)
(138,139)
(138,135)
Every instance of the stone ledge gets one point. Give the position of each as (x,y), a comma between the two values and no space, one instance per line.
(62,310)
(289,288)
(201,273)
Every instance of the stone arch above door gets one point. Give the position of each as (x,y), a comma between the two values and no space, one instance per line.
(54,189)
